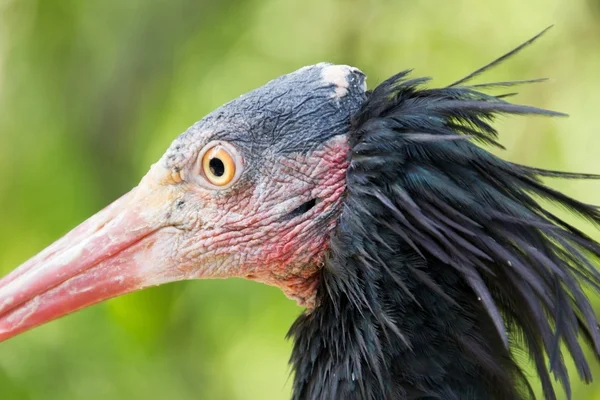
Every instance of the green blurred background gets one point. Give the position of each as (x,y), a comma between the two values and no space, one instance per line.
(92,92)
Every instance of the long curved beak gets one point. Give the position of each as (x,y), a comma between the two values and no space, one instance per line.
(106,256)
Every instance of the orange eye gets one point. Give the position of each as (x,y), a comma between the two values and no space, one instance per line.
(219,164)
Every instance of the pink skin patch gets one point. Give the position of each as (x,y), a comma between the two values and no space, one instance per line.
(292,259)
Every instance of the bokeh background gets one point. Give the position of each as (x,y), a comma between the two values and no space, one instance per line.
(92,92)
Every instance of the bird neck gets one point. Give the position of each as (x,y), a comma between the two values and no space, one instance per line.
(441,257)
(385,329)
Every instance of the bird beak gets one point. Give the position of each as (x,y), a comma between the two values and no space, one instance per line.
(114,252)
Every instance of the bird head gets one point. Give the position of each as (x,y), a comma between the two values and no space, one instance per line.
(253,190)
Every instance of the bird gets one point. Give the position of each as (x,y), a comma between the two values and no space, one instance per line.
(428,266)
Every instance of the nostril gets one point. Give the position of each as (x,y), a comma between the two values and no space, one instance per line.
(302,209)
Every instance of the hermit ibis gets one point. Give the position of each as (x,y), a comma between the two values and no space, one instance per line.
(426,263)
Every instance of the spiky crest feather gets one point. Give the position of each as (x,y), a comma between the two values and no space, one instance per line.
(444,268)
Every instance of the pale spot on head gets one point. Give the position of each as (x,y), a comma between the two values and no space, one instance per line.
(338,75)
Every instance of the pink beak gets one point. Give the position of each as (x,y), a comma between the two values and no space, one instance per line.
(104,257)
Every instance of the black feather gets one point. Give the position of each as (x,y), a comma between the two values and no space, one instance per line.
(499,60)
(443,257)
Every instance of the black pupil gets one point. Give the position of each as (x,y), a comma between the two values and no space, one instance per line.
(217,168)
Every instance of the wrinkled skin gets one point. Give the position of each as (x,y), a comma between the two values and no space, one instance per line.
(272,225)
(247,232)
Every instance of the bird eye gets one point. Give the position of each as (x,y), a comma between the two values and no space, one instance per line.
(220,164)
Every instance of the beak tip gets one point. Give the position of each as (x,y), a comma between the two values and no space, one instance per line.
(98,260)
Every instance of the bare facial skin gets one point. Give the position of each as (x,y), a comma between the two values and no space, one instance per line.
(248,231)
(253,190)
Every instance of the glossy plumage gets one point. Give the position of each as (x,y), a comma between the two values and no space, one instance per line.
(446,271)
